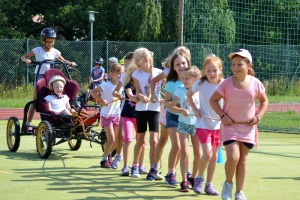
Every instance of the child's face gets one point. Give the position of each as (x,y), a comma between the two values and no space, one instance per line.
(49,42)
(98,65)
(180,64)
(239,67)
(138,60)
(58,87)
(187,79)
(115,76)
(212,72)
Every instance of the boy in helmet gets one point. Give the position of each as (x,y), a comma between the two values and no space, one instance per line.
(41,53)
(57,101)
(97,75)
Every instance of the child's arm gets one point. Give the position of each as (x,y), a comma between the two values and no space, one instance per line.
(176,108)
(153,82)
(72,64)
(131,96)
(168,99)
(26,58)
(190,99)
(263,106)
(214,103)
(139,95)
(95,94)
(116,91)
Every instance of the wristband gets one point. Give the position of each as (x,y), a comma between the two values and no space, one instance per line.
(223,115)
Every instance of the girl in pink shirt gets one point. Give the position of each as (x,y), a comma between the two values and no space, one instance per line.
(239,118)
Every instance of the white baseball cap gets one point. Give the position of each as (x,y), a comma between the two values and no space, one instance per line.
(243,53)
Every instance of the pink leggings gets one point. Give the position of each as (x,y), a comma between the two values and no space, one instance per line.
(128,123)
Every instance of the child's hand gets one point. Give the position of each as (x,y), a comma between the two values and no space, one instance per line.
(153,99)
(144,99)
(28,62)
(104,102)
(185,112)
(120,96)
(72,64)
(197,114)
(226,120)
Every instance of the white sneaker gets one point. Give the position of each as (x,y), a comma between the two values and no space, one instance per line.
(240,196)
(158,176)
(115,163)
(227,191)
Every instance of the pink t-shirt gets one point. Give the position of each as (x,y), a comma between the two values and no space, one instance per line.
(240,107)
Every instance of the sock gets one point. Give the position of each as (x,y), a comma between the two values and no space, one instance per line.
(207,183)
(28,123)
(135,165)
(104,158)
(200,177)
(119,155)
(155,166)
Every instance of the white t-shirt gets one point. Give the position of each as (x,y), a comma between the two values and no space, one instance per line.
(144,81)
(57,105)
(166,71)
(112,109)
(184,103)
(206,90)
(41,55)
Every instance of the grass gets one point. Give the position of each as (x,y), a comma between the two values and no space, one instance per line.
(273,173)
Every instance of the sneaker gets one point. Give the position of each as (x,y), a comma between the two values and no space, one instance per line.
(151,175)
(125,171)
(29,128)
(135,172)
(191,181)
(240,196)
(171,180)
(105,164)
(188,175)
(142,170)
(115,163)
(109,158)
(210,190)
(158,176)
(227,191)
(184,186)
(198,185)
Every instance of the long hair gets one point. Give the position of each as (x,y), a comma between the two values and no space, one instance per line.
(212,59)
(128,78)
(173,76)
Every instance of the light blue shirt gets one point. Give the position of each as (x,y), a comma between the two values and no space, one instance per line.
(171,87)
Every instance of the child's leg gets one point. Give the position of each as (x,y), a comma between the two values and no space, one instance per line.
(153,140)
(197,154)
(215,142)
(110,140)
(163,139)
(241,167)
(232,158)
(127,127)
(31,110)
(184,153)
(138,147)
(119,137)
(175,149)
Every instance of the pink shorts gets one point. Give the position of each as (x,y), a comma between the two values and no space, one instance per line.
(128,123)
(209,136)
(109,121)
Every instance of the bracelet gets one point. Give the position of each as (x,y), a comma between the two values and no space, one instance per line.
(224,114)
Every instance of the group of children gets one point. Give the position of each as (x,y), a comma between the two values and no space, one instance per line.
(200,106)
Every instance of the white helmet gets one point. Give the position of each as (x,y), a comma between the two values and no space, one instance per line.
(113,59)
(55,78)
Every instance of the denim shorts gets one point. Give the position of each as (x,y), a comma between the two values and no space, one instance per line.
(172,120)
(186,128)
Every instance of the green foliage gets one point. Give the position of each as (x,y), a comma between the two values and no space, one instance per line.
(283,86)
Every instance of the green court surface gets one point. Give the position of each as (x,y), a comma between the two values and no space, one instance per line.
(273,173)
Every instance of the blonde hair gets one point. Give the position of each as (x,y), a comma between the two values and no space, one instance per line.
(183,50)
(193,71)
(128,78)
(116,67)
(212,59)
(144,53)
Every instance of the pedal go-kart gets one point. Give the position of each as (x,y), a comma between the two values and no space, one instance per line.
(56,129)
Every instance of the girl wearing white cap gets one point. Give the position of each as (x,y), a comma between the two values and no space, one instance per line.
(239,118)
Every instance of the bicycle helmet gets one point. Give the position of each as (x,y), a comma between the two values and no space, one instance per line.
(54,79)
(99,61)
(113,59)
(48,33)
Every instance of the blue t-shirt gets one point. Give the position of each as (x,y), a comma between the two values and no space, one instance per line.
(96,74)
(171,88)
(129,106)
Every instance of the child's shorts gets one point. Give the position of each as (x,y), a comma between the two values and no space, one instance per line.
(172,120)
(128,124)
(107,121)
(186,129)
(209,136)
(145,118)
